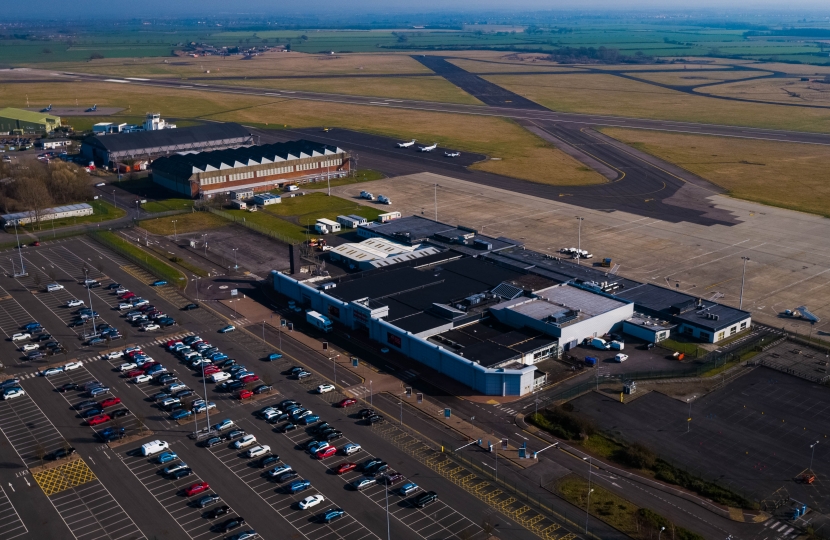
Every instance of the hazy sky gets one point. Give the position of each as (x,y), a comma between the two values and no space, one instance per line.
(76,9)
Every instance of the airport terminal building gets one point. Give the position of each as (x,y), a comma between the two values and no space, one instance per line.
(484,310)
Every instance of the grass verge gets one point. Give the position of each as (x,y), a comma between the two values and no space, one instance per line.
(185,223)
(141,257)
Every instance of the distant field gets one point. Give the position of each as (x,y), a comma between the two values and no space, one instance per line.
(786,175)
(679,78)
(607,94)
(779,90)
(184,223)
(417,88)
(503,64)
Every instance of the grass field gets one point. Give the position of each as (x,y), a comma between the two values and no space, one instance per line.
(165,199)
(792,91)
(141,257)
(605,505)
(185,223)
(679,78)
(607,94)
(778,174)
(417,88)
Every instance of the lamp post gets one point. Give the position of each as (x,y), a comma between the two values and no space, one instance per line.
(371,394)
(579,239)
(235,262)
(19,251)
(743,277)
(388,533)
(689,418)
(89,291)
(661,532)
(175,234)
(812,452)
(588,501)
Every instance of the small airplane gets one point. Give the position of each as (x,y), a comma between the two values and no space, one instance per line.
(406,144)
(93,108)
(452,154)
(428,148)
(47,109)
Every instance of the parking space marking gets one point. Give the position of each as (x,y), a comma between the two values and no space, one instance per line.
(11,526)
(168,493)
(29,431)
(346,527)
(90,512)
(72,474)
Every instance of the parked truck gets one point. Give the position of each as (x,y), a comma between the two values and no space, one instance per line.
(600,343)
(321,322)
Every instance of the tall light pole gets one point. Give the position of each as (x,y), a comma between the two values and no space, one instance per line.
(19,251)
(743,277)
(113,194)
(371,394)
(235,262)
(89,291)
(579,239)
(436,202)
(689,418)
(388,533)
(588,499)
(175,234)
(661,532)
(812,452)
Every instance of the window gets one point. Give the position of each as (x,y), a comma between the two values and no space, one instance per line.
(743,325)
(394,340)
(688,330)
(704,336)
(720,336)
(733,330)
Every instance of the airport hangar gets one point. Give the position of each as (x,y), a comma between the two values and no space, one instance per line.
(22,121)
(484,310)
(250,168)
(114,148)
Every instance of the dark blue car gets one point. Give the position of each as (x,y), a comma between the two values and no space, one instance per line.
(298,486)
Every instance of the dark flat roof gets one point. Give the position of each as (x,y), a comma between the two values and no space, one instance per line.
(118,142)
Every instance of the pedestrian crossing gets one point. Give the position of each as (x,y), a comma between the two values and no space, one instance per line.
(93,358)
(358,391)
(781,530)
(506,409)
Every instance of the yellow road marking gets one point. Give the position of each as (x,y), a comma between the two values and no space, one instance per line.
(61,478)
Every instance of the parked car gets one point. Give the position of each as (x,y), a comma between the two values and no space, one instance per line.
(310,502)
(226,329)
(60,453)
(231,524)
(345,467)
(298,486)
(348,402)
(166,457)
(208,500)
(330,515)
(218,511)
(245,441)
(196,488)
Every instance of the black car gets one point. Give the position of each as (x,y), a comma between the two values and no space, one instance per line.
(113,286)
(279,418)
(183,393)
(208,500)
(167,378)
(213,441)
(369,463)
(296,369)
(188,307)
(263,388)
(286,428)
(225,364)
(112,434)
(89,413)
(375,467)
(328,428)
(161,396)
(218,511)
(86,404)
(286,402)
(231,524)
(234,385)
(235,434)
(94,285)
(119,413)
(333,436)
(34,355)
(321,427)
(266,461)
(44,337)
(374,419)
(53,345)
(425,499)
(67,387)
(366,413)
(286,476)
(76,322)
(60,453)
(181,473)
(306,445)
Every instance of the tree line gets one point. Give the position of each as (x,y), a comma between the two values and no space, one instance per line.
(35,186)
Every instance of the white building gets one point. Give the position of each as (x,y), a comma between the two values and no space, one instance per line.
(378,252)
(47,214)
(326,226)
(154,122)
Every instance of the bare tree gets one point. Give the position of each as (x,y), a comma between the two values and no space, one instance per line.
(52,274)
(40,453)
(36,278)
(33,196)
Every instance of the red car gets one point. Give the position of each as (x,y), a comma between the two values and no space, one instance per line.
(210,370)
(100,419)
(36,244)
(326,452)
(196,488)
(110,402)
(345,467)
(134,373)
(148,365)
(127,296)
(249,378)
(348,402)
(245,394)
(133,354)
(172,343)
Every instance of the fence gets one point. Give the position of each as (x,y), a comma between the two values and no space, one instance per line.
(245,223)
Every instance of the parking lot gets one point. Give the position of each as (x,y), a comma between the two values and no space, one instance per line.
(153,507)
(11,526)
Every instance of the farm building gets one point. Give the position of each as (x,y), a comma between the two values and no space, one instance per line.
(118,147)
(256,168)
(22,121)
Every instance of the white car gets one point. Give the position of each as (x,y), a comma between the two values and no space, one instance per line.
(72,365)
(51,371)
(100,184)
(143,378)
(122,290)
(74,303)
(123,305)
(30,347)
(323,388)
(20,336)
(12,393)
(202,408)
(175,387)
(257,451)
(151,327)
(115,354)
(128,366)
(268,415)
(244,442)
(311,501)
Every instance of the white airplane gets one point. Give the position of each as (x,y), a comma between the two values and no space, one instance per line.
(428,148)
(47,109)
(452,154)
(406,144)
(93,108)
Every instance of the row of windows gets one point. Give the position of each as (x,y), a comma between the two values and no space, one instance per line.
(214,180)
(271,172)
(276,170)
(240,176)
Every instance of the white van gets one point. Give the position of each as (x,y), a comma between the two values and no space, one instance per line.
(292,187)
(52,287)
(621,357)
(220,376)
(154,447)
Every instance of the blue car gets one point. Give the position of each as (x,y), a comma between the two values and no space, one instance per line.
(32,326)
(180,415)
(274,356)
(216,357)
(158,283)
(330,515)
(226,329)
(408,488)
(167,457)
(298,486)
(310,419)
